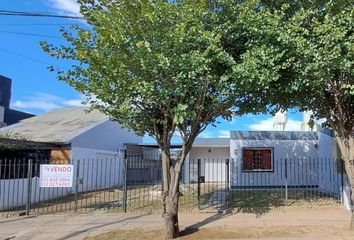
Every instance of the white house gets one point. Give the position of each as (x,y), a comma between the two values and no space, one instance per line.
(73,136)
(251,152)
(77,133)
(271,159)
(261,158)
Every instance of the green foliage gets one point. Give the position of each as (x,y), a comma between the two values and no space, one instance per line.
(153,66)
(11,146)
(300,55)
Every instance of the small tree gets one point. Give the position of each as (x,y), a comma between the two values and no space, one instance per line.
(156,67)
(302,55)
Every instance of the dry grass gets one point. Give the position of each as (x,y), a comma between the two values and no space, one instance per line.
(266,200)
(146,199)
(235,233)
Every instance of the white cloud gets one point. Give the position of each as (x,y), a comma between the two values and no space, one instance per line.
(267,125)
(206,134)
(47,102)
(70,7)
(224,134)
(74,103)
(40,105)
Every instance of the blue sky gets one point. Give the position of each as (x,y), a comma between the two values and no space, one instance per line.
(35,89)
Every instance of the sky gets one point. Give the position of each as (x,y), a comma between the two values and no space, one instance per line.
(36,90)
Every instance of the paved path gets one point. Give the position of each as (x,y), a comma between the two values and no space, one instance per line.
(77,226)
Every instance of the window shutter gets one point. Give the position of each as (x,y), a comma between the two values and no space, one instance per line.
(248,159)
(266,159)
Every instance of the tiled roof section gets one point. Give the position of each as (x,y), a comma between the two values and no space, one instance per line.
(273,135)
(58,126)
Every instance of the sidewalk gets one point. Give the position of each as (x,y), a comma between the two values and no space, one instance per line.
(77,226)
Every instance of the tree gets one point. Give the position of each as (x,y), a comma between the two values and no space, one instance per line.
(302,55)
(157,67)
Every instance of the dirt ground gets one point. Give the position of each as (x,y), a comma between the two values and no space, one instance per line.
(298,232)
(286,224)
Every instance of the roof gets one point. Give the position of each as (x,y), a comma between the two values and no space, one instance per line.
(59,126)
(151,145)
(211,142)
(198,142)
(24,144)
(273,135)
(13,116)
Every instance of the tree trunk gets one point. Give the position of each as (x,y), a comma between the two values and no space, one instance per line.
(171,171)
(349,168)
(170,198)
(346,147)
(171,229)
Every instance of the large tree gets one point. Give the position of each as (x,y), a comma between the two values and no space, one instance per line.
(301,54)
(157,67)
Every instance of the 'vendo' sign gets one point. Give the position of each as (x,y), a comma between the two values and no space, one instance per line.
(56,175)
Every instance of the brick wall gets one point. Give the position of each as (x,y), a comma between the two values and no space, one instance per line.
(60,156)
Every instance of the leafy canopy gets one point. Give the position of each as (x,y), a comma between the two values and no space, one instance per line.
(151,65)
(301,55)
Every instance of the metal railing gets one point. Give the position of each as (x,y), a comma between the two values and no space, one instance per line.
(135,184)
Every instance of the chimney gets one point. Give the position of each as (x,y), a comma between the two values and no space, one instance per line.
(5,91)
(2,117)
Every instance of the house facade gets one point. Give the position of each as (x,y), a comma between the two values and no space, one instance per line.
(307,160)
(250,153)
(260,158)
(74,133)
(88,140)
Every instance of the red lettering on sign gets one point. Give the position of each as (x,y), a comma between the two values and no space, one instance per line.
(60,169)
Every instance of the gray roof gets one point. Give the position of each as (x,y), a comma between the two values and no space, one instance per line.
(198,142)
(59,126)
(327,131)
(273,135)
(211,142)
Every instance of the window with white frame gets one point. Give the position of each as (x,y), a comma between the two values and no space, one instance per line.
(257,159)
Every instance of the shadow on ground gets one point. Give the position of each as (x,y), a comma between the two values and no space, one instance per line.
(195,227)
(127,220)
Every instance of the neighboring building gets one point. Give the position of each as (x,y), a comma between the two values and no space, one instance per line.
(8,116)
(73,135)
(88,140)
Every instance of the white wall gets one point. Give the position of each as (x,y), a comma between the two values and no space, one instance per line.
(332,168)
(99,150)
(297,152)
(213,165)
(215,152)
(327,146)
(98,169)
(107,136)
(334,182)
(13,192)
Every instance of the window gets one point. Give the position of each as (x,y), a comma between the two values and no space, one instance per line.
(257,159)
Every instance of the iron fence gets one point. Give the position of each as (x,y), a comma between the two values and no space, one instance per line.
(135,184)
